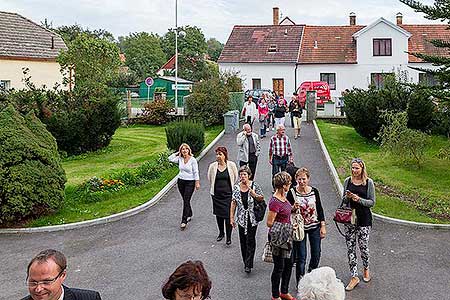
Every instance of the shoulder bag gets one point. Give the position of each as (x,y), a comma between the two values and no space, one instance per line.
(343,215)
(298,233)
(259,208)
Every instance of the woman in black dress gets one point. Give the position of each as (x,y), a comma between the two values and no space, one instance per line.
(222,175)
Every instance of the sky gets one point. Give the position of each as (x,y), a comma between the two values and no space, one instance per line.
(216,18)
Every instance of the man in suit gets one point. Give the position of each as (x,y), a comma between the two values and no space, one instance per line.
(46,273)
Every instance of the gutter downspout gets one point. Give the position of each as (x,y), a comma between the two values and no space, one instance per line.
(295,78)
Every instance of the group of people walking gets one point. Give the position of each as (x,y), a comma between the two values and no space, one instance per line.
(235,193)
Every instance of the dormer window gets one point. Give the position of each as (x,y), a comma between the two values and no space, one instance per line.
(382,47)
(272,49)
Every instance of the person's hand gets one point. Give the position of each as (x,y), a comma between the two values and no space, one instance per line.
(232,222)
(323,231)
(296,205)
(352,196)
(291,159)
(270,160)
(197,185)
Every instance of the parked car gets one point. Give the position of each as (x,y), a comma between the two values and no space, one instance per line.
(257,93)
(322,92)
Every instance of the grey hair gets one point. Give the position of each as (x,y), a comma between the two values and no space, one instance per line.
(321,284)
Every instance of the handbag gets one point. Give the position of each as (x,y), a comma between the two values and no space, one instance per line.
(298,233)
(267,253)
(259,209)
(344,215)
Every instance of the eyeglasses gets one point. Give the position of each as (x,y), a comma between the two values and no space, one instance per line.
(34,284)
(357,160)
(190,297)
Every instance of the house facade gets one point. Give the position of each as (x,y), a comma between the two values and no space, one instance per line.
(27,45)
(346,56)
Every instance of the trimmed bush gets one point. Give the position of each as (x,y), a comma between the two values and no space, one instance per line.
(420,110)
(441,120)
(156,112)
(364,107)
(31,176)
(189,132)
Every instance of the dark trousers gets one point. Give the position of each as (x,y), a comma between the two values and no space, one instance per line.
(279,164)
(282,268)
(299,252)
(186,188)
(248,243)
(220,224)
(252,161)
(271,120)
(248,120)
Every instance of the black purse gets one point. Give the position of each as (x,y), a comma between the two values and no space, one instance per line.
(259,209)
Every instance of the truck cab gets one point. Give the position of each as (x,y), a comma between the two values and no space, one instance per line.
(322,92)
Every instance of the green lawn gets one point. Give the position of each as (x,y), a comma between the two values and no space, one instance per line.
(403,190)
(131,146)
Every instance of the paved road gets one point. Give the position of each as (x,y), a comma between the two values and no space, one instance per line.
(131,258)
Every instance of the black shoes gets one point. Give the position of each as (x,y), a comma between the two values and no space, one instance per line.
(228,242)
(247,270)
(220,237)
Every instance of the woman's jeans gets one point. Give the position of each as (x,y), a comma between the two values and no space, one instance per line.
(186,188)
(282,268)
(299,252)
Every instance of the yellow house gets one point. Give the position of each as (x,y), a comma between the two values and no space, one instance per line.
(25,44)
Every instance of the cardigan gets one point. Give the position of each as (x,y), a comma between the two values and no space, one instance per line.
(242,143)
(362,208)
(212,171)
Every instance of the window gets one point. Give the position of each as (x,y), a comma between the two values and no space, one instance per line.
(256,83)
(272,48)
(278,86)
(382,47)
(377,79)
(5,85)
(427,79)
(330,78)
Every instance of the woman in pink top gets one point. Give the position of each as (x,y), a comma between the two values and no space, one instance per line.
(263,110)
(279,217)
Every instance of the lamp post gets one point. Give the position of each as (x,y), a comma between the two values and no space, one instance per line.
(176,56)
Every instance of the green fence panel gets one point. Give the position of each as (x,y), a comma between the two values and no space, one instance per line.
(236,100)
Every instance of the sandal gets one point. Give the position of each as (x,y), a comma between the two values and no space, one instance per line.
(287,296)
(352,284)
(366,275)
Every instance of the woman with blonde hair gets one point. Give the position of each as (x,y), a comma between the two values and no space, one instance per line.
(222,174)
(359,194)
(188,179)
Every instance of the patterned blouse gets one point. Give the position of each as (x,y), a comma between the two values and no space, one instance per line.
(242,214)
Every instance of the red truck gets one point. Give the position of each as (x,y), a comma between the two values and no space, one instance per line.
(322,91)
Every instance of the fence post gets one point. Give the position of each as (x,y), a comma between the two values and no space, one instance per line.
(129,104)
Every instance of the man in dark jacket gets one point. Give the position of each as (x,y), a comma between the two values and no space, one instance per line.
(46,273)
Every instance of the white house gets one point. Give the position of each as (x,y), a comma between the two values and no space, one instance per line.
(25,44)
(345,56)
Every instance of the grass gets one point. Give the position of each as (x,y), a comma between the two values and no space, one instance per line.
(131,146)
(404,191)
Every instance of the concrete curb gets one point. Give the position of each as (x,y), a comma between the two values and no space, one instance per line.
(340,190)
(115,217)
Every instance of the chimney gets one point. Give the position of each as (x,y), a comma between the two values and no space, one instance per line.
(352,19)
(399,17)
(276,16)
(53,42)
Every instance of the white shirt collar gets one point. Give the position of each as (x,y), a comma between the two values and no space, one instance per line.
(62,294)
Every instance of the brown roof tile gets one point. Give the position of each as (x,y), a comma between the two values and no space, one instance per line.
(419,41)
(250,44)
(23,39)
(335,44)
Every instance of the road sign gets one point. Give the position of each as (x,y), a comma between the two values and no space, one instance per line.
(182,87)
(149,81)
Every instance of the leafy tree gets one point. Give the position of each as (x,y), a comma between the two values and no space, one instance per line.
(143,52)
(192,49)
(439,11)
(214,48)
(91,62)
(71,32)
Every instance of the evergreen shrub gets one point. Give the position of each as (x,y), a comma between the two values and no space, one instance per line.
(420,110)
(31,176)
(189,132)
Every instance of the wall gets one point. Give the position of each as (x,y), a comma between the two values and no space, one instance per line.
(266,72)
(42,73)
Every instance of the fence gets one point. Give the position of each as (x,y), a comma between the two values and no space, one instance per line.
(236,101)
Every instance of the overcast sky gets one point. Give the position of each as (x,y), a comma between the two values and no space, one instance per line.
(216,18)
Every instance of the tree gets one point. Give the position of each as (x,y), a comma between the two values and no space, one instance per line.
(214,49)
(92,62)
(71,32)
(192,49)
(143,52)
(439,11)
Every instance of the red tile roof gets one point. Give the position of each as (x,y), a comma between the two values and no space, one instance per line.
(328,45)
(250,44)
(419,41)
(169,65)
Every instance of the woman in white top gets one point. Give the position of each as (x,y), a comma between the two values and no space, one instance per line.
(250,111)
(188,179)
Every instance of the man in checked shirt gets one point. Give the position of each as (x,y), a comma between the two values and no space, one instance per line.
(280,150)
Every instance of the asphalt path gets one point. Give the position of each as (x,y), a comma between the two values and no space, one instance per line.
(131,258)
